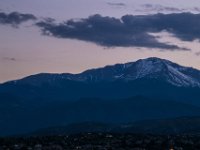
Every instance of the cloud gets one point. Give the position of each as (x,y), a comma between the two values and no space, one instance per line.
(9,59)
(125,32)
(160,8)
(157,8)
(116,4)
(185,26)
(197,53)
(15,18)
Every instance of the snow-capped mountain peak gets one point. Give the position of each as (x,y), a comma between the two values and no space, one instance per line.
(150,68)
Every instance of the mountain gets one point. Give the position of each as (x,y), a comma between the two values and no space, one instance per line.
(151,77)
(150,68)
(151,88)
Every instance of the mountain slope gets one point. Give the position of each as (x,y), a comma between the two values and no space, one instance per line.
(23,118)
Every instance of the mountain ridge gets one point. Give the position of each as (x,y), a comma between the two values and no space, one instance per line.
(152,67)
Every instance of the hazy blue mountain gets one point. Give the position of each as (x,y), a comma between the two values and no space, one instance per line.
(24,118)
(151,88)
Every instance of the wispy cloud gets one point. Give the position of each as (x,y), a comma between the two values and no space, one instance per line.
(9,59)
(157,8)
(116,4)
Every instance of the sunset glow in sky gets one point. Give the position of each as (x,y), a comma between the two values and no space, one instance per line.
(25,50)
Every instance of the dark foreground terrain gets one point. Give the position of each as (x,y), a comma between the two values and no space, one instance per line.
(103,141)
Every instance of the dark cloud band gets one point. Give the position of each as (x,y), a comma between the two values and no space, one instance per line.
(128,31)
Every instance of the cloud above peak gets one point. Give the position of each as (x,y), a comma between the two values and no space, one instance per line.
(128,31)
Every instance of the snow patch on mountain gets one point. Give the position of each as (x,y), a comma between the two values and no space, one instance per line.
(180,79)
(147,67)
